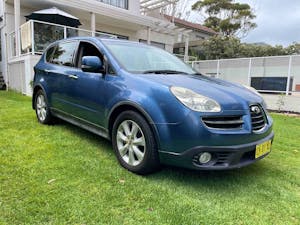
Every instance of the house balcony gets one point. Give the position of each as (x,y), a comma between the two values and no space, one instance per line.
(35,36)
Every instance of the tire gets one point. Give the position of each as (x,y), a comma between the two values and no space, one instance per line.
(42,109)
(134,143)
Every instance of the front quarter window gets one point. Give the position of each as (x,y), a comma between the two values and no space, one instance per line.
(49,54)
(140,58)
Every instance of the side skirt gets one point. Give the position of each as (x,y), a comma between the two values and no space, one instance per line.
(93,128)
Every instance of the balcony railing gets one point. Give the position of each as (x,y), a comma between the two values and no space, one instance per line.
(35,36)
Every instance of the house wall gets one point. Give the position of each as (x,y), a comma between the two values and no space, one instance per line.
(21,73)
(134,6)
(168,40)
(10,17)
(2,37)
(193,36)
(8,27)
(134,35)
(102,27)
(196,35)
(17,76)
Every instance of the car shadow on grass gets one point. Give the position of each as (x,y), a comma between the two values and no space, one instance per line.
(244,176)
(219,181)
(82,133)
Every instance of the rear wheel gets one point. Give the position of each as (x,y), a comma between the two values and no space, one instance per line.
(42,110)
(134,143)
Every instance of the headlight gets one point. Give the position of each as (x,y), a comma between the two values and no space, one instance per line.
(195,101)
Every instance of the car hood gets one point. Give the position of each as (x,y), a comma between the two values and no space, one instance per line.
(229,95)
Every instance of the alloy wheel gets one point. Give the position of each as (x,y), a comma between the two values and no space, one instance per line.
(131,142)
(41,107)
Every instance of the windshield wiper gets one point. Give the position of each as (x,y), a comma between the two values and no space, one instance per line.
(200,74)
(164,72)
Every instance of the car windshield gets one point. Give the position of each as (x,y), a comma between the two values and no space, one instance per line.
(141,58)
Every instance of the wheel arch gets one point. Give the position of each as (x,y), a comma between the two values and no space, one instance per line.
(126,106)
(35,90)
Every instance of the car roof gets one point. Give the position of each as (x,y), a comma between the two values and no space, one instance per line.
(98,38)
(93,39)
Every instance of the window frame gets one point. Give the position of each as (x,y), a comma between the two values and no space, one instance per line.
(106,62)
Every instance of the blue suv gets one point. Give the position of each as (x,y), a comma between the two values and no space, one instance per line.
(152,106)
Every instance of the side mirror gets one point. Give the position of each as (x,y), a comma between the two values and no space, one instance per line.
(92,64)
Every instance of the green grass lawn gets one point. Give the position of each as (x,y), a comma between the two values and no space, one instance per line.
(64,175)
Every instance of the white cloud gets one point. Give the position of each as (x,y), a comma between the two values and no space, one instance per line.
(278,22)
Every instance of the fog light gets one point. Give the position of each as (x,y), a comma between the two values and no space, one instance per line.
(204,157)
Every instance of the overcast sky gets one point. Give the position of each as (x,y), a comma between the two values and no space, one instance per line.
(278,21)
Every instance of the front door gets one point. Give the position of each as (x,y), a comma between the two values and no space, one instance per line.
(88,89)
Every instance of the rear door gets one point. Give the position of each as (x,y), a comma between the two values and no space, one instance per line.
(62,75)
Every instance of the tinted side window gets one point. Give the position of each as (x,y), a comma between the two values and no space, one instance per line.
(49,54)
(64,54)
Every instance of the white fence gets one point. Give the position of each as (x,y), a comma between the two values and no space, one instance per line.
(276,74)
(276,77)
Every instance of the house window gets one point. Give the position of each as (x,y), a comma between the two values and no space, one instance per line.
(200,37)
(107,34)
(118,3)
(154,43)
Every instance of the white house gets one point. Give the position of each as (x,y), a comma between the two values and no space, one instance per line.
(22,42)
(195,38)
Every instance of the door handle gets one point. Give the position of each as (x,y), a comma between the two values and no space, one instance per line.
(47,71)
(73,77)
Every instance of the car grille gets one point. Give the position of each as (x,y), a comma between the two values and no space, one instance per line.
(225,122)
(258,119)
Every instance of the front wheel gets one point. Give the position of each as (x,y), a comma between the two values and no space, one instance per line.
(134,143)
(42,110)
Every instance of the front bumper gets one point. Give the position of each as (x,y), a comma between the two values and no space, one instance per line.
(224,157)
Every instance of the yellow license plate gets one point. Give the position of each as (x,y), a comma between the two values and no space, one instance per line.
(262,149)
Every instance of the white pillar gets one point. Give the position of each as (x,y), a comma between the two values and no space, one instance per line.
(148,35)
(249,72)
(186,48)
(4,55)
(93,23)
(17,12)
(289,77)
(218,68)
